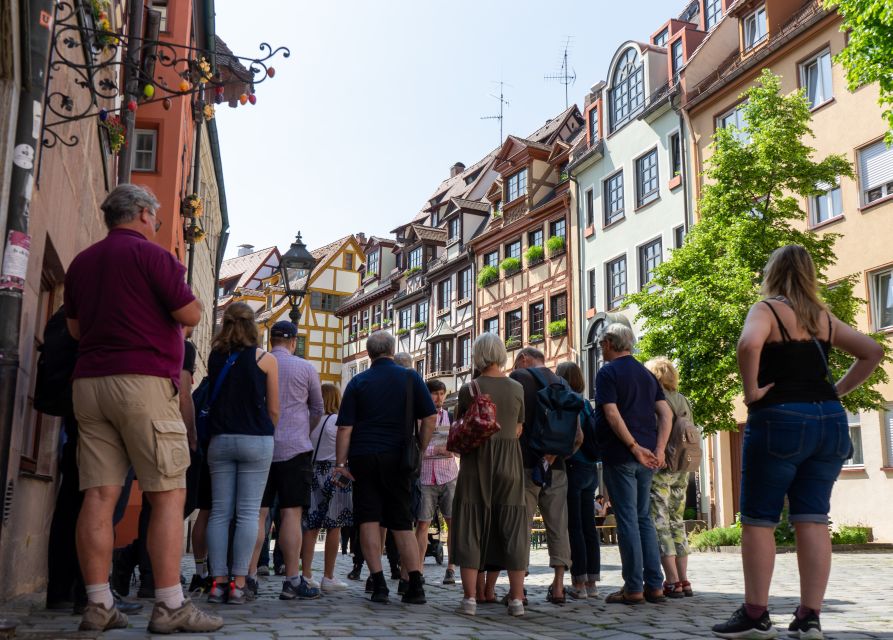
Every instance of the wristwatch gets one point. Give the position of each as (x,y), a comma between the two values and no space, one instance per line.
(341,465)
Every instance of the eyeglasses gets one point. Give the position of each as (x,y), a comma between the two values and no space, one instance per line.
(157,221)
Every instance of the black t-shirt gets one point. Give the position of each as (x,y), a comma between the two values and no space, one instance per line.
(531,387)
(628,384)
(189,357)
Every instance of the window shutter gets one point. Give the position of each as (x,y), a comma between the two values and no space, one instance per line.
(888,432)
(875,165)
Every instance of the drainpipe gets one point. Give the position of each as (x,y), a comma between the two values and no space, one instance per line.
(36,29)
(581,301)
(131,82)
(196,184)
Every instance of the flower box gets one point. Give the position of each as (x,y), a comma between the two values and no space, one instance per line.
(556,245)
(510,266)
(534,254)
(558,328)
(487,276)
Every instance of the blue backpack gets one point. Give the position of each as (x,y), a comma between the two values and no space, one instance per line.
(589,451)
(554,426)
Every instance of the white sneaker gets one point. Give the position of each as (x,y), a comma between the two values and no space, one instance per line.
(516,608)
(468,607)
(313,584)
(592,591)
(328,585)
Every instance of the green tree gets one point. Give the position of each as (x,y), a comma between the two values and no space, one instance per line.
(868,55)
(749,206)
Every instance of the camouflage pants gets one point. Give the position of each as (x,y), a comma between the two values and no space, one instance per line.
(667,509)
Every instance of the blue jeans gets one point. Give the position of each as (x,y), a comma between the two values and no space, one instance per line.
(239,469)
(582,481)
(795,449)
(629,487)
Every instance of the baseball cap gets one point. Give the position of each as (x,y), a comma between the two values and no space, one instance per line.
(284,329)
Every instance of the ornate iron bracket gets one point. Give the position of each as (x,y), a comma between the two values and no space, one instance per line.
(93,56)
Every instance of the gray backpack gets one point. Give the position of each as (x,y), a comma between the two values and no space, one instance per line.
(684,446)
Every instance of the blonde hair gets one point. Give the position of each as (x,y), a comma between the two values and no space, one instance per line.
(331,398)
(665,372)
(238,329)
(790,272)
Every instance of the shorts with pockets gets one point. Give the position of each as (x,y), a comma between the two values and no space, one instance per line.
(129,420)
(382,491)
(291,480)
(436,496)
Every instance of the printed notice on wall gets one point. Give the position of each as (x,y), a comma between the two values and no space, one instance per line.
(15,261)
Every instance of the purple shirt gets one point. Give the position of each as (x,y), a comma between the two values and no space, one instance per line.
(122,291)
(300,405)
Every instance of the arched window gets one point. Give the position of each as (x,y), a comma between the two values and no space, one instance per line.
(594,357)
(627,89)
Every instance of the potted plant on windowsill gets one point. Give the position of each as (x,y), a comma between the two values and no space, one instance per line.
(375,327)
(512,342)
(364,333)
(402,331)
(487,276)
(412,271)
(510,266)
(352,337)
(418,326)
(534,254)
(558,327)
(556,245)
(536,338)
(387,323)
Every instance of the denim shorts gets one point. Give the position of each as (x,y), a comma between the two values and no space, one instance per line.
(793,449)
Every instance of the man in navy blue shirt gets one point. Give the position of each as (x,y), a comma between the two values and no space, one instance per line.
(373,432)
(633,421)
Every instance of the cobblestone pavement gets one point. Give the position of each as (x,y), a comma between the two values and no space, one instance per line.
(860,599)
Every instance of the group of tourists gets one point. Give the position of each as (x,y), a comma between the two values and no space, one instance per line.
(266,442)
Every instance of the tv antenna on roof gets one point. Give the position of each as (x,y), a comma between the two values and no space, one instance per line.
(502,103)
(565,74)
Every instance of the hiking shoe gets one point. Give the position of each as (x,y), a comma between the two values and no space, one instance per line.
(237,595)
(370,585)
(216,594)
(330,585)
(468,607)
(741,625)
(306,591)
(516,608)
(98,618)
(808,628)
(449,577)
(414,595)
(380,595)
(355,573)
(263,570)
(186,617)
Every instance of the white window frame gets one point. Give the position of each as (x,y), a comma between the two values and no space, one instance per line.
(724,121)
(757,18)
(831,199)
(887,428)
(515,187)
(647,197)
(822,63)
(854,421)
(874,293)
(161,6)
(152,153)
(875,172)
(716,16)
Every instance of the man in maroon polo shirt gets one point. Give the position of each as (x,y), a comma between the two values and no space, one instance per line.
(127,302)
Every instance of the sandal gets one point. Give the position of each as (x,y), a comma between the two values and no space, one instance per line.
(655,596)
(673,590)
(559,600)
(622,597)
(686,588)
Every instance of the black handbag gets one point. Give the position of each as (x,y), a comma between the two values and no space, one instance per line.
(411,459)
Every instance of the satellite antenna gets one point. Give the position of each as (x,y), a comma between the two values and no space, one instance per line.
(502,103)
(565,74)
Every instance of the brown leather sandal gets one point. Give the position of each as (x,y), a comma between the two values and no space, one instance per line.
(673,590)
(622,597)
(686,588)
(655,596)
(559,600)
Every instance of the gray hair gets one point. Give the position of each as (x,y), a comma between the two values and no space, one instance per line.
(380,344)
(403,359)
(488,349)
(620,336)
(532,353)
(125,202)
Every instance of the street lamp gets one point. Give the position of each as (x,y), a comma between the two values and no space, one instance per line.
(295,268)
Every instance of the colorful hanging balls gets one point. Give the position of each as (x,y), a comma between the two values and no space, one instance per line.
(184,85)
(103,115)
(167,104)
(131,105)
(219,90)
(271,71)
(218,99)
(243,99)
(149,91)
(252,99)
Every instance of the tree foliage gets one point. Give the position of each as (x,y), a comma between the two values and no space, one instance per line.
(750,206)
(868,55)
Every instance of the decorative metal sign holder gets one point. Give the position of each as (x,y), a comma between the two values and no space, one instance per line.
(96,90)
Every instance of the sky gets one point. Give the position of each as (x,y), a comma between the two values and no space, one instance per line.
(380,98)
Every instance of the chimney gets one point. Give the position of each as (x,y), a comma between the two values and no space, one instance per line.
(456,169)
(361,238)
(245,249)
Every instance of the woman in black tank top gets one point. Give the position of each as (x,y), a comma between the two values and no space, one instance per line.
(797,437)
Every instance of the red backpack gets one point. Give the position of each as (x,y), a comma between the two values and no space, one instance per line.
(475,427)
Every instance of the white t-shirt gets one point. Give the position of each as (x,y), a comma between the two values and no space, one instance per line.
(326,430)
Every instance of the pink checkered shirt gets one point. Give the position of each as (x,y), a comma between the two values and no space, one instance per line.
(439,465)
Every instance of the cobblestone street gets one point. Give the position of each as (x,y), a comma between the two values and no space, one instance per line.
(858,606)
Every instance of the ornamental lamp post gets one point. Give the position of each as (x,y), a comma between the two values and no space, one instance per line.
(295,268)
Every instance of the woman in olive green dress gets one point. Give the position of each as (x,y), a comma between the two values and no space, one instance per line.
(489,512)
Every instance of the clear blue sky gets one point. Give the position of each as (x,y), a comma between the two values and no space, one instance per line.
(379,98)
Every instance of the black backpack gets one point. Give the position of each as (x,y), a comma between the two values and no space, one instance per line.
(554,427)
(55,367)
(590,448)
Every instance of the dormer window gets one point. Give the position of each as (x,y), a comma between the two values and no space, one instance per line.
(435,218)
(660,40)
(676,59)
(415,259)
(516,186)
(627,93)
(453,229)
(372,263)
(712,13)
(755,28)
